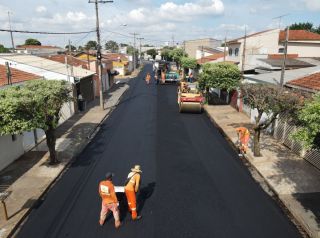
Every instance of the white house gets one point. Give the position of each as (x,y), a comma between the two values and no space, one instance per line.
(38,49)
(271,42)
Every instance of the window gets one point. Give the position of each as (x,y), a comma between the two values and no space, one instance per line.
(236,52)
(281,50)
(230,52)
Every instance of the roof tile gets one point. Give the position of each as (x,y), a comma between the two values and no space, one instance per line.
(17,76)
(310,82)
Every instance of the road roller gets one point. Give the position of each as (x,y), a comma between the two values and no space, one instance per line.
(190,98)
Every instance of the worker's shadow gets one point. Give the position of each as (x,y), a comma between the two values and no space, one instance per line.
(144,194)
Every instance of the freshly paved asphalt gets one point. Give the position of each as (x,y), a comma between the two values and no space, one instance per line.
(193,184)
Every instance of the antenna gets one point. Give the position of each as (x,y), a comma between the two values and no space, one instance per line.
(280,18)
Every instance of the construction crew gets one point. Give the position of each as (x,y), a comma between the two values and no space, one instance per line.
(244,136)
(131,188)
(109,200)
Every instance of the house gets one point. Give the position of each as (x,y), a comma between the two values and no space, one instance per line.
(13,146)
(192,46)
(207,51)
(38,49)
(214,58)
(260,45)
(121,63)
(48,69)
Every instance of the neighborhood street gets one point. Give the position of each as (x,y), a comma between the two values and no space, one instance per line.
(193,183)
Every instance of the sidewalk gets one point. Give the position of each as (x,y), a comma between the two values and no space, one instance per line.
(292,179)
(30,177)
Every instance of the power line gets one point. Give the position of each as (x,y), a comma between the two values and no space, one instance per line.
(47,33)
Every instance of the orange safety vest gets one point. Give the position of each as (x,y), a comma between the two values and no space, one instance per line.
(134,182)
(107,193)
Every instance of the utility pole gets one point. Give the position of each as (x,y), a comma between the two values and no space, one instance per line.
(202,54)
(285,53)
(70,57)
(134,49)
(11,31)
(280,19)
(9,75)
(99,57)
(244,53)
(172,40)
(140,38)
(225,47)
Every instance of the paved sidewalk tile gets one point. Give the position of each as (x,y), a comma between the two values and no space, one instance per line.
(295,181)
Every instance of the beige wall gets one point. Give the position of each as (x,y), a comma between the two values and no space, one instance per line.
(192,46)
(304,49)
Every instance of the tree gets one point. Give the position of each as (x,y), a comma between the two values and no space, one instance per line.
(176,55)
(32,41)
(308,26)
(189,63)
(36,104)
(165,54)
(152,52)
(73,48)
(123,45)
(91,45)
(4,49)
(112,46)
(269,101)
(224,76)
(309,122)
(131,50)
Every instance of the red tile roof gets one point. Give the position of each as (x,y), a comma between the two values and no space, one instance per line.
(280,56)
(17,76)
(299,35)
(309,82)
(210,58)
(71,60)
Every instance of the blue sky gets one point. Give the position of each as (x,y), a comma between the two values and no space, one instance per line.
(156,21)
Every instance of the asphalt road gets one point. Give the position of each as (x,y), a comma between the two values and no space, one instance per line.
(193,184)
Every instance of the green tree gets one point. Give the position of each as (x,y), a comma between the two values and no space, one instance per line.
(308,26)
(309,122)
(269,100)
(112,46)
(32,41)
(189,63)
(73,48)
(123,45)
(152,53)
(36,104)
(224,76)
(177,54)
(165,54)
(91,45)
(131,50)
(4,49)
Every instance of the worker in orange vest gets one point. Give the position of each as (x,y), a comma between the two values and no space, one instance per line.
(244,137)
(148,78)
(109,200)
(131,188)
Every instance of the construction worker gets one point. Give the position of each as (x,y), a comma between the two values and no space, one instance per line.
(244,136)
(131,188)
(109,200)
(148,78)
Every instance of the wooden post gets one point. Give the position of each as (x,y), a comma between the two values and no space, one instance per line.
(5,210)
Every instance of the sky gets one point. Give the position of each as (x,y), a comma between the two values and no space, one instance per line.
(157,21)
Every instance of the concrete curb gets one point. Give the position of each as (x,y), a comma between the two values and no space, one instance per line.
(81,147)
(299,223)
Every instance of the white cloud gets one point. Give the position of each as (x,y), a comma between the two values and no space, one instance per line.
(234,27)
(313,5)
(41,9)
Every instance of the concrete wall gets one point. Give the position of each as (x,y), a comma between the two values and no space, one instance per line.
(304,49)
(192,46)
(10,150)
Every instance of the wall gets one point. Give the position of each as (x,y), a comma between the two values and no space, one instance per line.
(199,54)
(192,46)
(304,49)
(10,150)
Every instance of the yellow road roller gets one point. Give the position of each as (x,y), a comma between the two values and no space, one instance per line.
(190,98)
